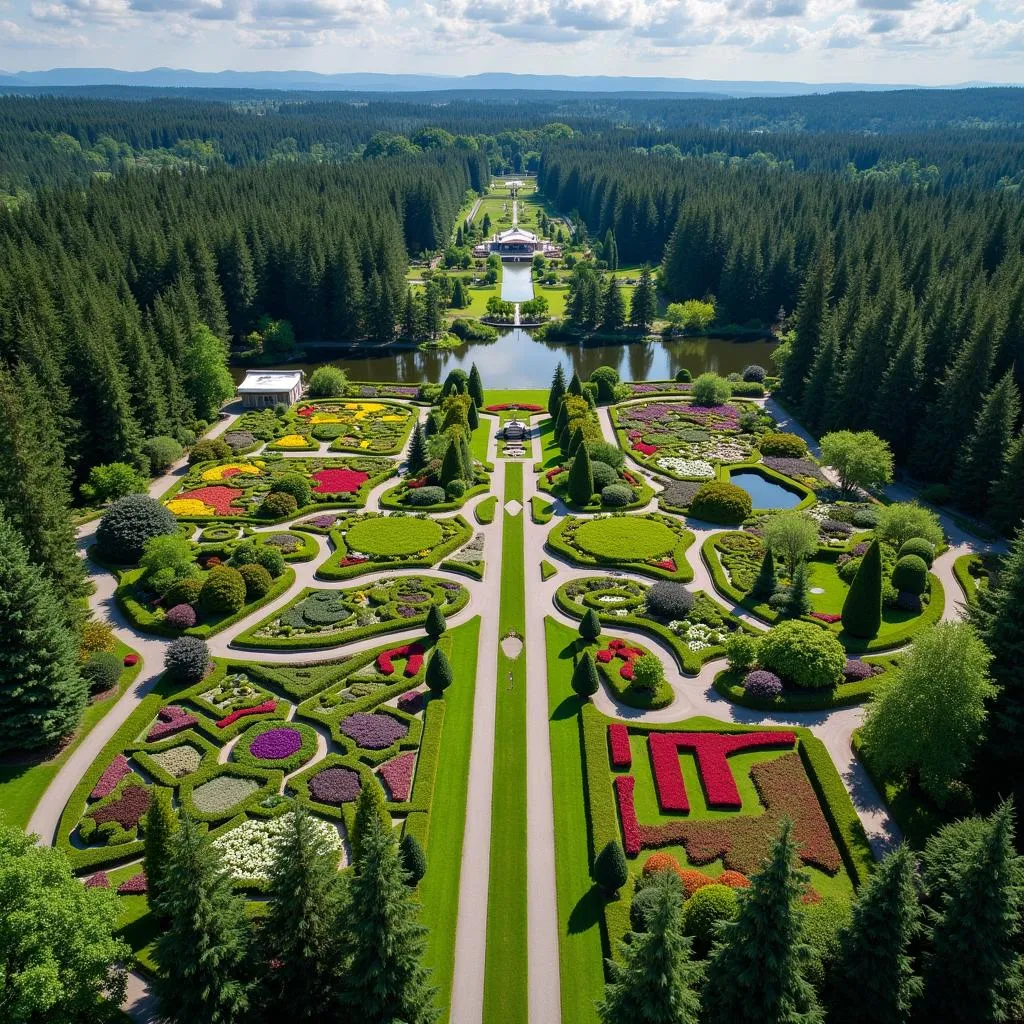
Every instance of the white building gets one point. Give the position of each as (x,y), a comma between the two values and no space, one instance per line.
(263,389)
(517,244)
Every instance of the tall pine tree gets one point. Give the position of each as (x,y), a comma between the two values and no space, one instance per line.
(809,322)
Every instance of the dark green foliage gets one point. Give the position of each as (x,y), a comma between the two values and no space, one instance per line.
(128,524)
(575,386)
(875,981)
(439,675)
(590,626)
(42,692)
(187,658)
(757,971)
(581,479)
(418,457)
(257,581)
(414,860)
(456,383)
(764,585)
(644,305)
(611,872)
(223,591)
(654,979)
(1008,494)
(161,824)
(585,680)
(472,416)
(862,609)
(278,505)
(720,502)
(209,449)
(451,465)
(102,671)
(161,452)
(371,808)
(556,391)
(923,549)
(613,314)
(809,320)
(574,442)
(248,552)
(910,574)
(297,486)
(475,387)
(605,377)
(799,601)
(435,624)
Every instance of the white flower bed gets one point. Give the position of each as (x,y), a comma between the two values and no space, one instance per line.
(248,851)
(698,636)
(698,469)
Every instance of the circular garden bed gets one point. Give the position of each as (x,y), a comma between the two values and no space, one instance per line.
(393,535)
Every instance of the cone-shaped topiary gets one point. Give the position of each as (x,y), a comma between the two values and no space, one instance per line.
(435,624)
(862,609)
(584,676)
(439,675)
(418,455)
(590,626)
(764,585)
(575,386)
(451,464)
(414,860)
(475,386)
(610,869)
(581,478)
(575,441)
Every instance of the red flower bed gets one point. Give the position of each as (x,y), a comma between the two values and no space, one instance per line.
(620,649)
(632,839)
(220,499)
(339,481)
(115,772)
(644,448)
(552,473)
(666,563)
(131,659)
(170,720)
(137,885)
(351,560)
(415,484)
(826,617)
(630,478)
(256,709)
(514,406)
(127,810)
(398,773)
(413,652)
(618,741)
(100,880)
(712,751)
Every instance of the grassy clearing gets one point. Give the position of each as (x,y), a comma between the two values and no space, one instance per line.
(505,981)
(579,904)
(527,396)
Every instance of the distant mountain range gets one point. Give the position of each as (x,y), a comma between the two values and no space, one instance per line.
(171,78)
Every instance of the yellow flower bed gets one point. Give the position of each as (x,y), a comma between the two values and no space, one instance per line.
(292,441)
(218,472)
(327,417)
(391,419)
(189,507)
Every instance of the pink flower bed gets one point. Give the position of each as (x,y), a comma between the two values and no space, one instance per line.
(413,652)
(618,742)
(712,751)
(398,773)
(115,772)
(220,499)
(339,481)
(644,448)
(256,709)
(632,841)
(826,617)
(170,720)
(137,885)
(411,702)
(100,880)
(514,406)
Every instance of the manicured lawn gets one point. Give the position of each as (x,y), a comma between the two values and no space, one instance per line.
(486,510)
(556,295)
(505,982)
(439,890)
(607,538)
(22,786)
(579,903)
(392,536)
(527,396)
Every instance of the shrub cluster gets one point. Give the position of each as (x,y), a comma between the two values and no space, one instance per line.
(721,502)
(803,654)
(616,495)
(910,575)
(278,504)
(668,600)
(425,496)
(783,445)
(128,523)
(223,591)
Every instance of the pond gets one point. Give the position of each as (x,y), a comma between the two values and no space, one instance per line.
(765,493)
(518,360)
(516,282)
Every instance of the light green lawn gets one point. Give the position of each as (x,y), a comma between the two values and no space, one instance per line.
(505,979)
(536,396)
(579,902)
(22,786)
(550,453)
(557,296)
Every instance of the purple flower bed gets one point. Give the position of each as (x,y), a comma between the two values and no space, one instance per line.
(335,786)
(276,744)
(398,773)
(137,885)
(170,720)
(415,597)
(795,467)
(373,731)
(411,702)
(407,612)
(680,492)
(448,585)
(762,683)
(855,670)
(100,880)
(676,387)
(322,522)
(116,771)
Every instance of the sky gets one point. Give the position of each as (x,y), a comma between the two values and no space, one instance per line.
(916,42)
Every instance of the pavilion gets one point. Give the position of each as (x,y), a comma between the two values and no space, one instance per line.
(517,244)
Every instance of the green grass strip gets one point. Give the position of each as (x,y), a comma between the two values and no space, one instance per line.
(579,904)
(505,978)
(439,890)
(486,510)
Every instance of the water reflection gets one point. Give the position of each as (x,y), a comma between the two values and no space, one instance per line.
(516,282)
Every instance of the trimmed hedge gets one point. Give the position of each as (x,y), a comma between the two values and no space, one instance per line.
(241,754)
(486,510)
(729,684)
(389,500)
(472,570)
(721,502)
(541,510)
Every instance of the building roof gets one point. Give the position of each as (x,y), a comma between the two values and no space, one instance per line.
(516,235)
(269,380)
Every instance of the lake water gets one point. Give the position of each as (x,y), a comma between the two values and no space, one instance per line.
(518,360)
(765,493)
(516,282)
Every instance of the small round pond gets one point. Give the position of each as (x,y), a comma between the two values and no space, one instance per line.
(765,493)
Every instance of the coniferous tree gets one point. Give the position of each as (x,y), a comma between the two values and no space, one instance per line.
(799,602)
(611,871)
(644,305)
(371,805)
(821,389)
(475,387)
(207,381)
(581,478)
(897,408)
(756,971)
(239,280)
(385,979)
(575,386)
(654,978)
(590,626)
(459,300)
(202,956)
(418,456)
(809,322)
(299,934)
(613,315)
(414,860)
(585,680)
(439,675)
(575,442)
(161,824)
(451,465)
(556,391)
(764,585)
(435,624)
(411,317)
(862,609)
(42,692)
(1008,495)
(875,960)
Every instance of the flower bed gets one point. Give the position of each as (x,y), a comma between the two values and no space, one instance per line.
(111,777)
(514,407)
(286,746)
(413,653)
(265,708)
(170,719)
(335,786)
(618,744)
(179,761)
(398,774)
(208,501)
(221,795)
(115,819)
(373,731)
(378,428)
(338,481)
(626,654)
(248,852)
(137,885)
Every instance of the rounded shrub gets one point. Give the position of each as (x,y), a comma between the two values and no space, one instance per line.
(783,445)
(128,523)
(455,489)
(721,502)
(223,590)
(278,504)
(209,449)
(251,553)
(683,376)
(425,496)
(668,600)
(704,911)
(710,389)
(856,671)
(920,547)
(181,616)
(327,382)
(616,495)
(741,650)
(762,683)
(257,581)
(803,654)
(185,591)
(603,474)
(187,659)
(910,575)
(162,452)
(602,451)
(755,373)
(295,485)
(102,671)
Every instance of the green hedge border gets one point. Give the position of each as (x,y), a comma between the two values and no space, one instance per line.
(474,570)
(391,503)
(240,753)
(486,510)
(541,510)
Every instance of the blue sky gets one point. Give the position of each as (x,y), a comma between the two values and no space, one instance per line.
(928,42)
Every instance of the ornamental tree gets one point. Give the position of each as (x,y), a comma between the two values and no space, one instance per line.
(790,537)
(903,520)
(435,624)
(581,478)
(439,675)
(42,691)
(611,872)
(758,969)
(475,387)
(862,609)
(654,978)
(418,457)
(161,824)
(557,391)
(927,715)
(861,460)
(327,382)
(585,679)
(207,379)
(799,601)
(590,626)
(60,958)
(764,585)
(648,672)
(370,806)
(414,860)
(128,523)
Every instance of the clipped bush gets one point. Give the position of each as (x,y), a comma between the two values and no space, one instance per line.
(910,575)
(710,389)
(741,650)
(295,485)
(185,591)
(862,609)
(414,860)
(209,449)
(603,475)
(327,382)
(422,496)
(782,445)
(755,372)
(223,590)
(762,683)
(601,451)
(703,913)
(721,502)
(278,504)
(455,489)
(616,495)
(856,671)
(668,600)
(187,659)
(129,522)
(251,553)
(923,549)
(181,616)
(102,671)
(162,453)
(257,581)
(683,376)
(803,654)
